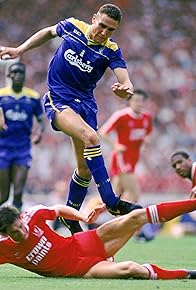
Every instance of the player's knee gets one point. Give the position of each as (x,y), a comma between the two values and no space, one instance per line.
(92,139)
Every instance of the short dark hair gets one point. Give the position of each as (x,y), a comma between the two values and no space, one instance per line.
(15,67)
(139,92)
(8,215)
(183,153)
(112,11)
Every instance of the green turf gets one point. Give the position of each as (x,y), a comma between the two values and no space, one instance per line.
(164,251)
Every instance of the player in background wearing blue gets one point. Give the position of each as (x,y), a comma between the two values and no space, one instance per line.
(18,105)
(78,64)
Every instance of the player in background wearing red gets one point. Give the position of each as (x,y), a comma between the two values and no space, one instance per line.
(28,242)
(132,127)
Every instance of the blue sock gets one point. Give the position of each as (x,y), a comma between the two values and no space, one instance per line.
(77,191)
(95,163)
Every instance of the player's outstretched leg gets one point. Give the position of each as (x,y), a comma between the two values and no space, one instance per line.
(163,212)
(130,269)
(95,163)
(156,273)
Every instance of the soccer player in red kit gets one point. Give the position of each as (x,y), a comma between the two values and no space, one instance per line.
(186,168)
(28,242)
(131,126)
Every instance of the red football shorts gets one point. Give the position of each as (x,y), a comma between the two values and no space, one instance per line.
(123,163)
(89,251)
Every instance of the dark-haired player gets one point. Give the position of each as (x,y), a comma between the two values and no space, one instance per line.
(28,242)
(186,168)
(86,51)
(18,106)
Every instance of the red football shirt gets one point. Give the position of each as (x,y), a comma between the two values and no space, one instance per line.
(131,130)
(47,253)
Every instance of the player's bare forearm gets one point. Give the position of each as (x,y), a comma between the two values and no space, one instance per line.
(73,214)
(124,87)
(37,39)
(34,41)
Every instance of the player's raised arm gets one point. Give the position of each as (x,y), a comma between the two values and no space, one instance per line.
(124,87)
(34,41)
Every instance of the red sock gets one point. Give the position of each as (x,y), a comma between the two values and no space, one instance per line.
(166,211)
(156,273)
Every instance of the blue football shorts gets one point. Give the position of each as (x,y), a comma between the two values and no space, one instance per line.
(15,156)
(55,104)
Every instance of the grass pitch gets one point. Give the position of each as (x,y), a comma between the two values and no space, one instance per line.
(164,251)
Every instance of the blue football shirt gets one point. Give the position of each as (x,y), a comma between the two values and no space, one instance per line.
(79,63)
(18,109)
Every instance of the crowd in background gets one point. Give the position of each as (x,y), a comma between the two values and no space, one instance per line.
(157,40)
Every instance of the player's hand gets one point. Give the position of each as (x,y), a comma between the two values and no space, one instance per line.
(193,193)
(2,121)
(121,91)
(95,213)
(8,52)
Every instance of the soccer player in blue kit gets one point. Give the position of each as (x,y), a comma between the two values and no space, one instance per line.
(78,64)
(18,106)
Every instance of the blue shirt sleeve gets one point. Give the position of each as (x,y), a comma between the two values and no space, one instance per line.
(117,60)
(38,108)
(61,27)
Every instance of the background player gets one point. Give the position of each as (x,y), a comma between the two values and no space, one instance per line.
(78,64)
(28,242)
(185,168)
(131,126)
(18,106)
